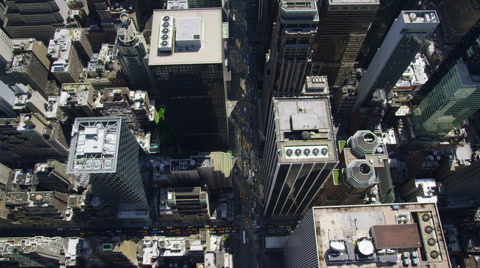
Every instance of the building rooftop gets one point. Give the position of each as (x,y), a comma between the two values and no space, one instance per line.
(396,236)
(77,94)
(94,146)
(20,62)
(304,129)
(190,164)
(198,37)
(59,49)
(354,2)
(420,16)
(415,74)
(372,235)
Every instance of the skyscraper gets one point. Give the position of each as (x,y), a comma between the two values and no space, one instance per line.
(384,18)
(464,183)
(189,72)
(299,155)
(342,27)
(403,41)
(452,93)
(458,17)
(293,36)
(363,166)
(467,51)
(37,19)
(452,100)
(104,152)
(132,55)
(393,234)
(290,53)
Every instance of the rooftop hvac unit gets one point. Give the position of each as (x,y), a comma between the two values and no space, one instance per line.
(165,35)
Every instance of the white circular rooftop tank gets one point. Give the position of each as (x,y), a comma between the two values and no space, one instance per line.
(337,245)
(365,247)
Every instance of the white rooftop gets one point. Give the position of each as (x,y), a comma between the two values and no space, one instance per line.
(206,22)
(59,50)
(94,145)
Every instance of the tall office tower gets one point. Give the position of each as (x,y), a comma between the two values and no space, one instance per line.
(458,17)
(463,182)
(77,100)
(363,167)
(105,153)
(82,45)
(293,36)
(121,102)
(190,75)
(300,154)
(266,16)
(451,101)
(132,55)
(35,19)
(47,136)
(386,14)
(342,27)
(395,234)
(52,176)
(189,204)
(403,41)
(465,52)
(30,65)
(67,66)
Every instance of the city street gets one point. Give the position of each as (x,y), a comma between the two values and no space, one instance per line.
(242,58)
